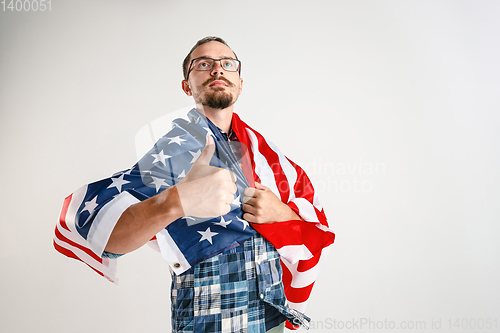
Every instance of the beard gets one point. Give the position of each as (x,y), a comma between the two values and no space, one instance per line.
(218,99)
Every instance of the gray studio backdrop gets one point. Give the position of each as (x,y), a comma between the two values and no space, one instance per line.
(390,106)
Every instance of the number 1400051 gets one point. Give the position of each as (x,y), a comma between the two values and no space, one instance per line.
(26,5)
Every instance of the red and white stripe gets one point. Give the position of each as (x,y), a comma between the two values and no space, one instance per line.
(69,242)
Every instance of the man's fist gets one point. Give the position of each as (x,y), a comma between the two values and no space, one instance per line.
(207,191)
(261,205)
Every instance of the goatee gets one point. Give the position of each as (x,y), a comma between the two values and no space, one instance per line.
(218,99)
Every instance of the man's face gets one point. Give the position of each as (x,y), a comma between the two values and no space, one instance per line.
(216,88)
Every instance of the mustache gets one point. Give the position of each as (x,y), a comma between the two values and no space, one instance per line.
(220,78)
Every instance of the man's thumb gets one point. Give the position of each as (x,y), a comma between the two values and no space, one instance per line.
(207,153)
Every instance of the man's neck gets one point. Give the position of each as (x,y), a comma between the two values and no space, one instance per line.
(221,118)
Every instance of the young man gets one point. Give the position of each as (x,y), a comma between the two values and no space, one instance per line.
(194,194)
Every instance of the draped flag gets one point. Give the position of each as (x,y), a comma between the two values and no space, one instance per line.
(89,215)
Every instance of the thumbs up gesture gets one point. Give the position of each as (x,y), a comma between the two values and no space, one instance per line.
(207,191)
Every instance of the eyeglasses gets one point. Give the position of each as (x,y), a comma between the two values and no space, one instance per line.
(206,64)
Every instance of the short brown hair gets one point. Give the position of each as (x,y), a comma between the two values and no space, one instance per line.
(202,41)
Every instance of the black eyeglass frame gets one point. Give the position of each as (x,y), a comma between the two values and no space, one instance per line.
(219,60)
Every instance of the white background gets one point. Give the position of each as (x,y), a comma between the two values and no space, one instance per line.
(390,106)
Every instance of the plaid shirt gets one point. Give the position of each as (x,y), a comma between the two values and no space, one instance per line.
(228,292)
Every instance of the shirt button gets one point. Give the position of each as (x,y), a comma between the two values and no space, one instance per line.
(177,265)
(261,296)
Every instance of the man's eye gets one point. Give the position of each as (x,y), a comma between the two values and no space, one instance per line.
(228,64)
(203,64)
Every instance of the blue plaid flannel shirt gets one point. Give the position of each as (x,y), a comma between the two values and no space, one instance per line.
(228,292)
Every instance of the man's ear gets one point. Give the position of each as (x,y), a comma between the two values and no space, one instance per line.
(241,85)
(186,88)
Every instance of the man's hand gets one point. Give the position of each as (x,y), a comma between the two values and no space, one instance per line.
(207,191)
(261,205)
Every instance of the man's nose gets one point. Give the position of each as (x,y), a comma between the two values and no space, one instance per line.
(217,69)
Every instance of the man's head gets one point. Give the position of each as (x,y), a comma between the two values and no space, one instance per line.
(215,84)
(187,60)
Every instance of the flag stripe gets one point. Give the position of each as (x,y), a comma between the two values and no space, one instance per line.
(72,243)
(288,169)
(70,254)
(272,164)
(301,279)
(264,172)
(306,209)
(297,295)
(64,211)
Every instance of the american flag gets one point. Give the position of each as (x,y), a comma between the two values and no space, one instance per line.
(89,214)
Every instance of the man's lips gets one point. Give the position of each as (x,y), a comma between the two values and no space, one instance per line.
(218,83)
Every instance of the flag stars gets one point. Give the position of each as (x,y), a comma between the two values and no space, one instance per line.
(236,202)
(245,223)
(223,222)
(209,132)
(160,158)
(207,235)
(195,155)
(118,182)
(182,174)
(177,139)
(158,182)
(91,205)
